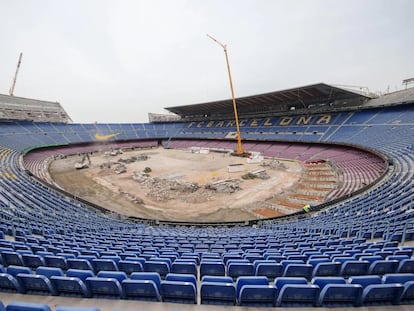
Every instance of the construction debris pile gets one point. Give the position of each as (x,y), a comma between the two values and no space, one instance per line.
(140,157)
(131,197)
(120,169)
(273,164)
(164,189)
(113,152)
(229,185)
(256,173)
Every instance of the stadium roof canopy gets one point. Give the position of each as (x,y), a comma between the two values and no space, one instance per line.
(300,98)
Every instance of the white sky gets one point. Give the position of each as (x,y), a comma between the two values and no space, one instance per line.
(115,61)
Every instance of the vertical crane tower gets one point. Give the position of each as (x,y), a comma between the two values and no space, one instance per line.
(239,151)
(11,91)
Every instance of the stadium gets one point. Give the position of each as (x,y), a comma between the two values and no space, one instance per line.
(340,235)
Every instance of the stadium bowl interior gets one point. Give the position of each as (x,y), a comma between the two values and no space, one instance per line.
(354,250)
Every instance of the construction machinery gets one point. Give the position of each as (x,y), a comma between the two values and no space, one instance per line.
(239,151)
(11,90)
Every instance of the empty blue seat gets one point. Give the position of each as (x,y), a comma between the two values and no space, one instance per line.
(282,281)
(9,283)
(148,276)
(323,281)
(397,257)
(298,295)
(115,258)
(217,279)
(250,280)
(236,270)
(182,278)
(383,267)
(397,278)
(257,295)
(141,290)
(35,284)
(80,264)
(297,257)
(379,294)
(184,268)
(271,270)
(81,274)
(191,256)
(104,265)
(371,259)
(315,261)
(365,280)
(49,271)
(179,292)
(342,258)
(33,261)
(12,258)
(141,260)
(186,260)
(104,287)
(15,270)
(286,262)
(162,268)
(26,306)
(406,266)
(56,262)
(44,253)
(130,266)
(326,269)
(218,293)
(212,268)
(340,295)
(278,258)
(119,275)
(228,256)
(67,255)
(407,252)
(407,296)
(354,267)
(298,270)
(88,255)
(69,286)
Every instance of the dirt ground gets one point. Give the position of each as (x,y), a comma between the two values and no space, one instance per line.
(126,196)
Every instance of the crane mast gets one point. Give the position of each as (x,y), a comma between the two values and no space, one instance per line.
(11,91)
(240,151)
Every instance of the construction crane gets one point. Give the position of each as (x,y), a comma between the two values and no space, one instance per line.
(240,151)
(11,91)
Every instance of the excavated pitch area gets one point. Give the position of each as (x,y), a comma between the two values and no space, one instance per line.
(121,194)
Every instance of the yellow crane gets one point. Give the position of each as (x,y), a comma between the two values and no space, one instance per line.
(11,91)
(240,151)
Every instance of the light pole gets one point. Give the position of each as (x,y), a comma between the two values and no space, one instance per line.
(240,150)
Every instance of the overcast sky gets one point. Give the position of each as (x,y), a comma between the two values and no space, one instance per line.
(115,61)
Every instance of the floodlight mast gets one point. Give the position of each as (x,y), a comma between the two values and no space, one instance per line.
(240,150)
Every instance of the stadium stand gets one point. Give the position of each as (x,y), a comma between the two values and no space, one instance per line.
(53,244)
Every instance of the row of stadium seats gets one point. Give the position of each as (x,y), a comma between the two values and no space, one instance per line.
(342,127)
(182,288)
